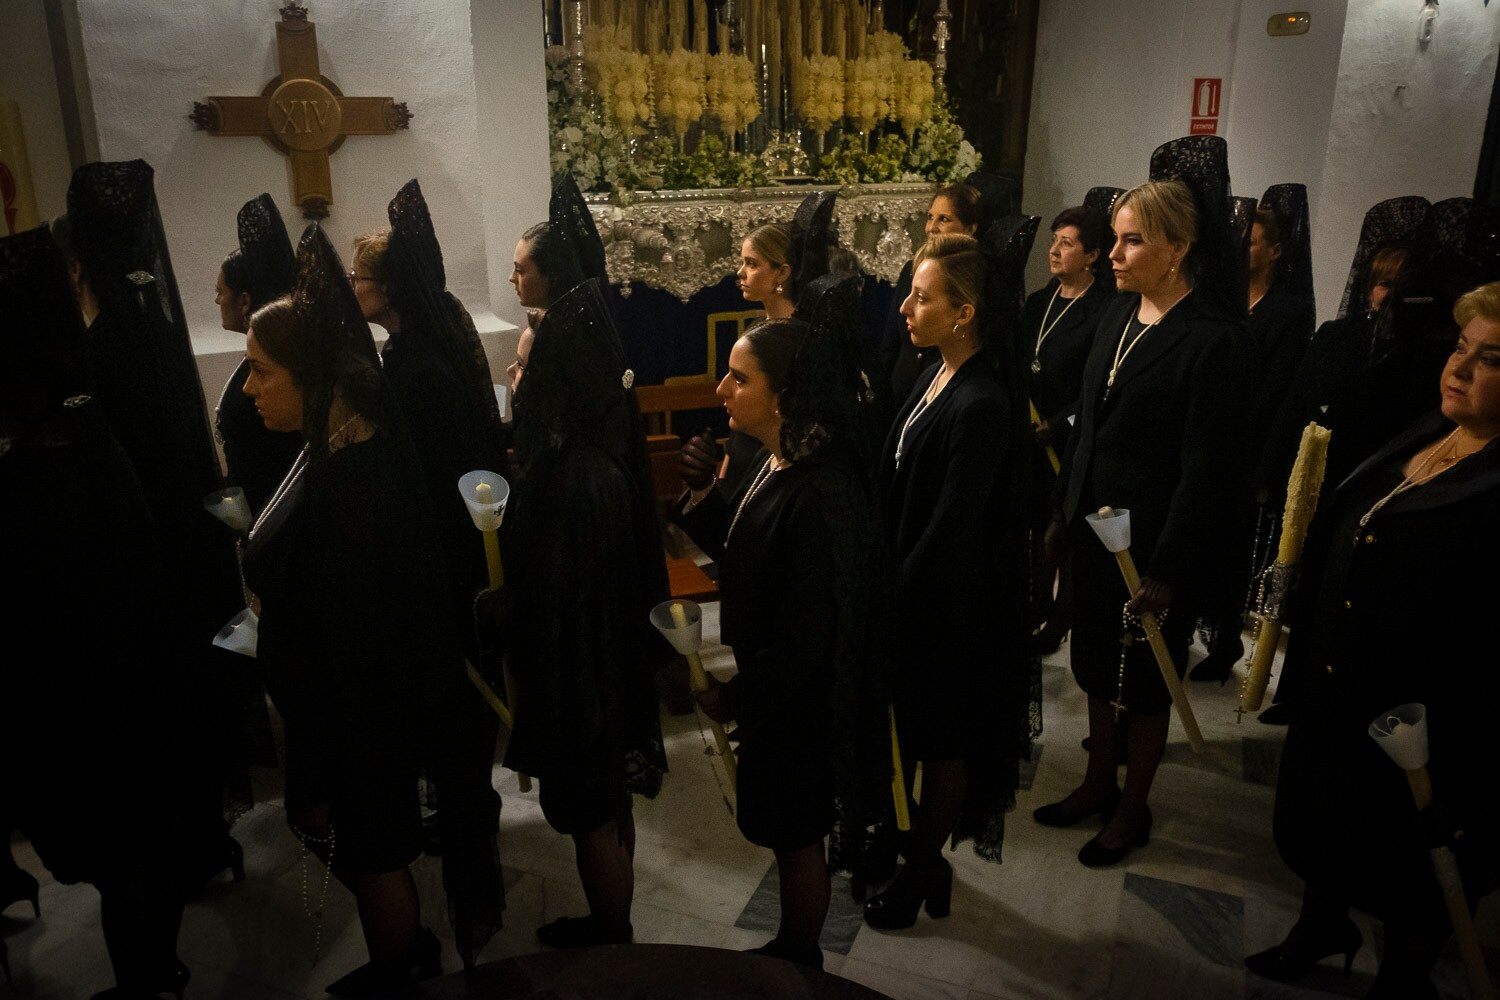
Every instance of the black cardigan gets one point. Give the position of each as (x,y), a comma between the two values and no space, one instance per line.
(1065,352)
(1168,443)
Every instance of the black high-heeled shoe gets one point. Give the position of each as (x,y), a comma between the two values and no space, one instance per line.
(424,960)
(1057,815)
(1289,961)
(1096,855)
(1217,666)
(21,885)
(777,948)
(896,908)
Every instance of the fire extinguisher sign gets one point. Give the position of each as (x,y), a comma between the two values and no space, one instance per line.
(1205,117)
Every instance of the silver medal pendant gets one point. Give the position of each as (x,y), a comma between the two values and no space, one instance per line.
(1036,366)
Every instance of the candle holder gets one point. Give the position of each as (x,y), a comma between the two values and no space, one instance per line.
(681,624)
(230,506)
(1402,734)
(1112,525)
(485,495)
(241,634)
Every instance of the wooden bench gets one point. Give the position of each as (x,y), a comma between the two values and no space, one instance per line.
(689,583)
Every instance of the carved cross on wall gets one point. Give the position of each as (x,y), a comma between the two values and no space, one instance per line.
(302,113)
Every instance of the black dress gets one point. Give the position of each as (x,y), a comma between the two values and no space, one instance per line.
(1389,613)
(85,694)
(1281,327)
(1166,443)
(258,459)
(963,679)
(782,583)
(354,644)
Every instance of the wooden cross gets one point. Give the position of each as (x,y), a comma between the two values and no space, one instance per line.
(302,113)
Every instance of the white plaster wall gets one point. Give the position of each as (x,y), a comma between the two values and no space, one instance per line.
(1109,88)
(149,61)
(1406,120)
(1282,98)
(510,75)
(27,76)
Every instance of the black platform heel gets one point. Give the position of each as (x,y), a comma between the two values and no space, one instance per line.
(1286,963)
(896,908)
(18,886)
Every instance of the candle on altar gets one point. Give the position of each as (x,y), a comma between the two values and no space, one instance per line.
(840,30)
(773,60)
(815,31)
(721,32)
(793,46)
(700,27)
(676,25)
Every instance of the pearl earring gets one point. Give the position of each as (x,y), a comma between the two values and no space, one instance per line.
(778,288)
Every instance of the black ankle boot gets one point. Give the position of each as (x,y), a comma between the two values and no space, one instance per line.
(896,908)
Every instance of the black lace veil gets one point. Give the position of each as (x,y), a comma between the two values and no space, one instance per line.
(813,238)
(1102,200)
(1454,250)
(1389,223)
(270,266)
(580,251)
(340,365)
(998,197)
(1217,258)
(1288,202)
(43,345)
(416,283)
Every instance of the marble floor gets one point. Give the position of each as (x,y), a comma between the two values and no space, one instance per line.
(1173,921)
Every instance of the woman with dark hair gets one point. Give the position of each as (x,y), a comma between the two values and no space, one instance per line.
(800,576)
(260,269)
(1391,551)
(355,643)
(1159,434)
(584,567)
(97,693)
(1057,326)
(954,475)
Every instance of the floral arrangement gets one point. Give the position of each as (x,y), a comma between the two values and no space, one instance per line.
(849,162)
(711,165)
(940,152)
(871,81)
(733,97)
(820,96)
(681,88)
(914,95)
(622,77)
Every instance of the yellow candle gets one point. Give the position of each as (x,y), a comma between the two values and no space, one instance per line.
(815,31)
(840,31)
(700,28)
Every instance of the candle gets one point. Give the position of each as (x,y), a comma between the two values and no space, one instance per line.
(773,59)
(840,30)
(815,31)
(700,28)
(676,25)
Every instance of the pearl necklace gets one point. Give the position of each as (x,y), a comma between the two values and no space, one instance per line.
(761,478)
(933,392)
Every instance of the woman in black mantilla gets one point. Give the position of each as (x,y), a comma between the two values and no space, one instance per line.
(259,270)
(803,583)
(97,693)
(954,473)
(145,380)
(1159,433)
(439,382)
(1394,550)
(355,644)
(584,567)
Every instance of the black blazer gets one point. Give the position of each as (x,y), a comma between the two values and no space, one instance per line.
(1063,355)
(1281,327)
(947,515)
(1169,441)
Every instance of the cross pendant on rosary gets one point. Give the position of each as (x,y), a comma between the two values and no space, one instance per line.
(1119,705)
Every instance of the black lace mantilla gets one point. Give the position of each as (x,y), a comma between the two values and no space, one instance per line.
(581,252)
(267,249)
(43,343)
(813,239)
(1102,200)
(1393,222)
(339,359)
(417,286)
(1202,163)
(1288,202)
